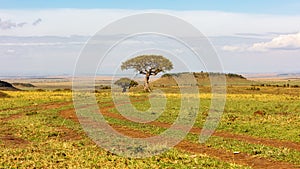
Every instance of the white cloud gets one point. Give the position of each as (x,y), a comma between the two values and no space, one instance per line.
(284,42)
(281,42)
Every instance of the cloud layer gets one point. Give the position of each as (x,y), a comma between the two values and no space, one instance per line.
(65,22)
(42,41)
(284,42)
(281,42)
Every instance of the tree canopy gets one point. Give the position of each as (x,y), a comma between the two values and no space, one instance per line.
(126,83)
(148,65)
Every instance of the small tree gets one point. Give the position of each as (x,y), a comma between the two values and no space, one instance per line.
(126,83)
(148,65)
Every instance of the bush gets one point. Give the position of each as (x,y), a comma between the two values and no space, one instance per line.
(67,90)
(104,87)
(40,90)
(166,75)
(253,88)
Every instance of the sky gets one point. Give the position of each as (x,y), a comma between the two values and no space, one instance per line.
(253,6)
(47,37)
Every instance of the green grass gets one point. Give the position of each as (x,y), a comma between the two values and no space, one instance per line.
(257,150)
(28,98)
(47,147)
(277,154)
(281,120)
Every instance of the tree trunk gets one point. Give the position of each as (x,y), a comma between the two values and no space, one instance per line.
(124,89)
(147,87)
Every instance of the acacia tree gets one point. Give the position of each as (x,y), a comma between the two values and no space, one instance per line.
(148,65)
(126,83)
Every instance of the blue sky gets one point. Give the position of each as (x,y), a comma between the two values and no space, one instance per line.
(45,37)
(244,6)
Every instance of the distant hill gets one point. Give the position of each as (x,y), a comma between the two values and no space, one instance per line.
(273,76)
(23,84)
(201,77)
(7,86)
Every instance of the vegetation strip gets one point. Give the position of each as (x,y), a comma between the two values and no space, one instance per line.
(41,107)
(36,106)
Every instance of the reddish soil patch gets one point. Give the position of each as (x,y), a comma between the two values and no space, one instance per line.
(69,114)
(259,113)
(12,117)
(240,158)
(54,105)
(67,134)
(240,137)
(12,141)
(263,141)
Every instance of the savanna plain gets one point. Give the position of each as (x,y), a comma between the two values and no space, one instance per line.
(259,127)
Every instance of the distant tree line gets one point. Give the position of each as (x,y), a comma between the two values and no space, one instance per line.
(204,74)
(277,85)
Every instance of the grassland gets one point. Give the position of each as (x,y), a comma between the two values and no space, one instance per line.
(39,129)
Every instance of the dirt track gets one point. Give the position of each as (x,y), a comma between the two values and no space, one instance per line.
(240,158)
(70,114)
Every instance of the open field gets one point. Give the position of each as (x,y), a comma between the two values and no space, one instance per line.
(40,129)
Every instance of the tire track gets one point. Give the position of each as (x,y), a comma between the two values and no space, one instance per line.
(221,154)
(70,113)
(240,158)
